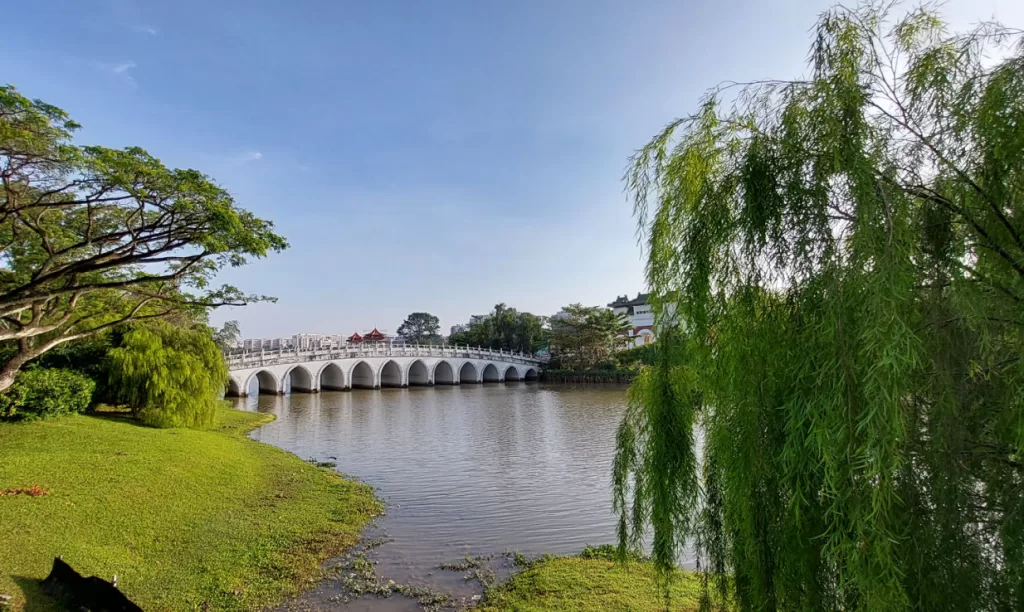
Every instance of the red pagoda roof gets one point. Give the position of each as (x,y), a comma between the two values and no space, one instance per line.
(375,335)
(355,338)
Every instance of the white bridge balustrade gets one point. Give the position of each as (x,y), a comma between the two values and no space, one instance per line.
(373,367)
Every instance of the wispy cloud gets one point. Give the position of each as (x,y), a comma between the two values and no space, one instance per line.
(118,70)
(245,157)
(233,160)
(142,28)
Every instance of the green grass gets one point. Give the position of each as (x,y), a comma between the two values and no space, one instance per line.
(183,517)
(577,584)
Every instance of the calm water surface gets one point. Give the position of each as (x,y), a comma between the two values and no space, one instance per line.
(469,470)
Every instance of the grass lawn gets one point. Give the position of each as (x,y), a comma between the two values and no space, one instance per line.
(577,584)
(182,517)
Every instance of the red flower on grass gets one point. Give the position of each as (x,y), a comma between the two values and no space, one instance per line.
(33,491)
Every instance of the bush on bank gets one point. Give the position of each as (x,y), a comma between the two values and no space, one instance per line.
(636,356)
(45,392)
(588,376)
(169,376)
(622,368)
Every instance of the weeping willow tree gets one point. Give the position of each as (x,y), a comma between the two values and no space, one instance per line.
(169,376)
(847,253)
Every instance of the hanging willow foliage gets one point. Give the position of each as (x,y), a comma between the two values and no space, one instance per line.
(846,252)
(170,376)
(656,463)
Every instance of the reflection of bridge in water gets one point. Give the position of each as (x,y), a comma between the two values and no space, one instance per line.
(373,367)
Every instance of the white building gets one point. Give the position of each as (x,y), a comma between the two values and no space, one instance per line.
(473,320)
(317,341)
(298,341)
(266,344)
(640,315)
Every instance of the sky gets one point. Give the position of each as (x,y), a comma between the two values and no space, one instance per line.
(436,156)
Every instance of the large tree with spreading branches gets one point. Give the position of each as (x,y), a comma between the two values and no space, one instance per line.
(847,256)
(584,337)
(92,237)
(420,328)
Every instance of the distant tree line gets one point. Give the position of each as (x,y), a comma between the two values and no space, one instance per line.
(578,338)
(506,329)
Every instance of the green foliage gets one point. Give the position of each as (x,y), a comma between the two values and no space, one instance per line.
(847,253)
(584,337)
(637,356)
(95,237)
(86,356)
(43,393)
(606,375)
(421,328)
(655,475)
(505,329)
(226,338)
(169,376)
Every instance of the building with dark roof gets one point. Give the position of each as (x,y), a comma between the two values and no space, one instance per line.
(639,313)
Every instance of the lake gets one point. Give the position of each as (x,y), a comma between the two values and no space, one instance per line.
(466,470)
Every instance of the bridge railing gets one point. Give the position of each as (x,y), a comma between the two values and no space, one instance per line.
(255,359)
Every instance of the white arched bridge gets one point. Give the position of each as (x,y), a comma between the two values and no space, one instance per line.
(373,367)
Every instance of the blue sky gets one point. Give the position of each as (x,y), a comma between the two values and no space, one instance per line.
(440,156)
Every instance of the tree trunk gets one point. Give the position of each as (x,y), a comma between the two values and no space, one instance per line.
(7,379)
(9,371)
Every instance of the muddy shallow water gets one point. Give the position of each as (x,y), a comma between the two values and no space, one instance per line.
(471,470)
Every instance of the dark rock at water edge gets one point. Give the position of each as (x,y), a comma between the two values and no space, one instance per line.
(79,593)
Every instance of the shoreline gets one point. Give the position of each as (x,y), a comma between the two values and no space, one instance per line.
(587,377)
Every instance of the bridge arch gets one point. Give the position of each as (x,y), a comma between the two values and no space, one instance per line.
(468,373)
(491,373)
(298,378)
(362,376)
(233,390)
(531,374)
(443,373)
(390,374)
(419,375)
(511,374)
(266,382)
(332,377)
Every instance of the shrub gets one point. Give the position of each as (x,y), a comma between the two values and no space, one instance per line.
(169,376)
(44,393)
(636,356)
(87,356)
